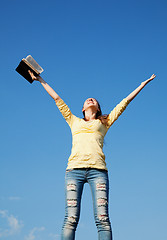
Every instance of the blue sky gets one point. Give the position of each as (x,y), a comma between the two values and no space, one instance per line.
(102,49)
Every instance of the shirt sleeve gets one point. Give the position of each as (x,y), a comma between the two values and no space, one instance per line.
(117,111)
(65,111)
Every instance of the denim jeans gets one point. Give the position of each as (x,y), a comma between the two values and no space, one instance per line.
(99,184)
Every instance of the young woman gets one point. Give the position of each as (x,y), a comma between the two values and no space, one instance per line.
(87,161)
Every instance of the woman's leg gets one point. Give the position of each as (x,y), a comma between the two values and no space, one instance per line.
(74,181)
(98,181)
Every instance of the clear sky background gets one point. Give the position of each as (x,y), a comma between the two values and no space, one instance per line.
(88,48)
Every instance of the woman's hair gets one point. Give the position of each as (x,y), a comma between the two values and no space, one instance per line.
(102,118)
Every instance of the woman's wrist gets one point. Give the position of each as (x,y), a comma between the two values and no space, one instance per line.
(143,84)
(40,79)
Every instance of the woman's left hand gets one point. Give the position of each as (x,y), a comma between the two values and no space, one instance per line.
(37,78)
(148,80)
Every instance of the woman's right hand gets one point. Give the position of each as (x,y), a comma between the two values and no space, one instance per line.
(37,78)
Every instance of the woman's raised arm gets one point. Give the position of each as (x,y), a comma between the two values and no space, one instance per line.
(50,90)
(133,94)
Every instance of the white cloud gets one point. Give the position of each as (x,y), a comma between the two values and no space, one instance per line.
(54,236)
(33,232)
(14,198)
(11,198)
(13,224)
(3,213)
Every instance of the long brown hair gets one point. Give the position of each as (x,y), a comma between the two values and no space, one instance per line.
(102,118)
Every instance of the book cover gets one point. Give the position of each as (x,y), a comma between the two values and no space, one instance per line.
(26,64)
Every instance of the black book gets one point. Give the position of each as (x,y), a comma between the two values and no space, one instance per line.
(26,64)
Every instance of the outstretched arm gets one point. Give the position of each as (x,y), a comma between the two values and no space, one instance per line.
(64,109)
(132,95)
(50,90)
(118,110)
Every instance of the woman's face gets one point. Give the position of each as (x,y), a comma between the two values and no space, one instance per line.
(90,102)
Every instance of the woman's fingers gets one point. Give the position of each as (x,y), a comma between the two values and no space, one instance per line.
(153,76)
(148,80)
(32,75)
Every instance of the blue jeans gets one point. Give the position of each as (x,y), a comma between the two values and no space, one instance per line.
(99,184)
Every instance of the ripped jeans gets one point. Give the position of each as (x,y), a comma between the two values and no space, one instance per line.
(74,182)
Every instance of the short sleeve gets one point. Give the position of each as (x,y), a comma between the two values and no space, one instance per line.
(65,111)
(117,111)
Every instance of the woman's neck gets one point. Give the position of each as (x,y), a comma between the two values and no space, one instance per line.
(90,114)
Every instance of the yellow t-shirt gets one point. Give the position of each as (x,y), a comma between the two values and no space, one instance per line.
(88,137)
